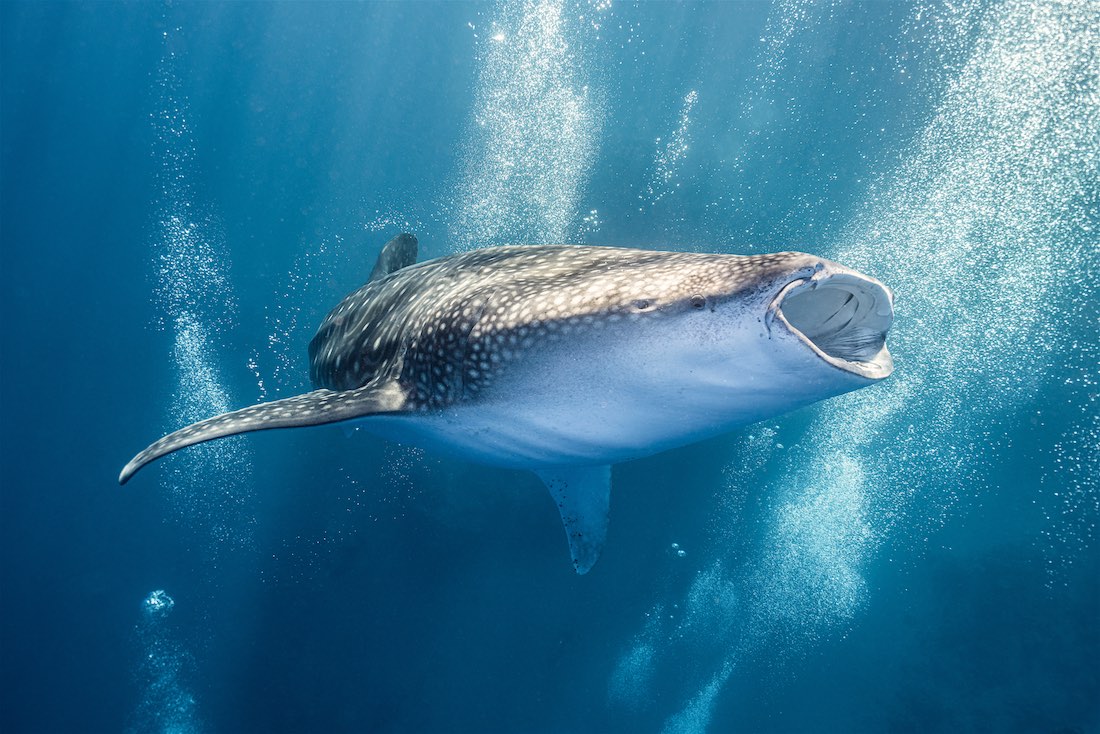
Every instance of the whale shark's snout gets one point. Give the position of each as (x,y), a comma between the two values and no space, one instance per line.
(841,315)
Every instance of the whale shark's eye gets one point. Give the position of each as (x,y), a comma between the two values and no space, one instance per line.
(642,304)
(698,302)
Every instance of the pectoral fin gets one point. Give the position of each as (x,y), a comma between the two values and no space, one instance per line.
(583,497)
(312,409)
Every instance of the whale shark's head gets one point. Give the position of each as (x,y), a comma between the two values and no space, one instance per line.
(724,340)
(807,328)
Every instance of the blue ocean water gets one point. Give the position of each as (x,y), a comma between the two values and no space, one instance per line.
(187,188)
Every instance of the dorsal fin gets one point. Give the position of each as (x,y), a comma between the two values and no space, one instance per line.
(400,252)
(583,497)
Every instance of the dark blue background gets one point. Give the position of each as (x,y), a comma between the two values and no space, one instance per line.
(438,596)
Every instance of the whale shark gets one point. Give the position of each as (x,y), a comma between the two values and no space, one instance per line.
(567,359)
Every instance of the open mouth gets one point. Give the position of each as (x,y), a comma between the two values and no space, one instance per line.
(844,318)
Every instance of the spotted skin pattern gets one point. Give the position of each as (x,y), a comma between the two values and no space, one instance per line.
(445,328)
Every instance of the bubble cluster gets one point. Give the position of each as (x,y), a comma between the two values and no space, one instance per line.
(666,162)
(986,231)
(712,606)
(1073,515)
(534,134)
(288,327)
(808,576)
(985,228)
(980,231)
(632,679)
(786,20)
(390,221)
(696,715)
(167,704)
(159,603)
(404,466)
(195,301)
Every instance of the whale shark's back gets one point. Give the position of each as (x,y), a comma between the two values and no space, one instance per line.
(419,323)
(431,308)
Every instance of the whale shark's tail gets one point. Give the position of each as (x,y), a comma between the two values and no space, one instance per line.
(311,409)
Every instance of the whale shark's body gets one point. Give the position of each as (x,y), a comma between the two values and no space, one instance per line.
(567,359)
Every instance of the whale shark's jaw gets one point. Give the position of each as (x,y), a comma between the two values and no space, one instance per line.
(841,316)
